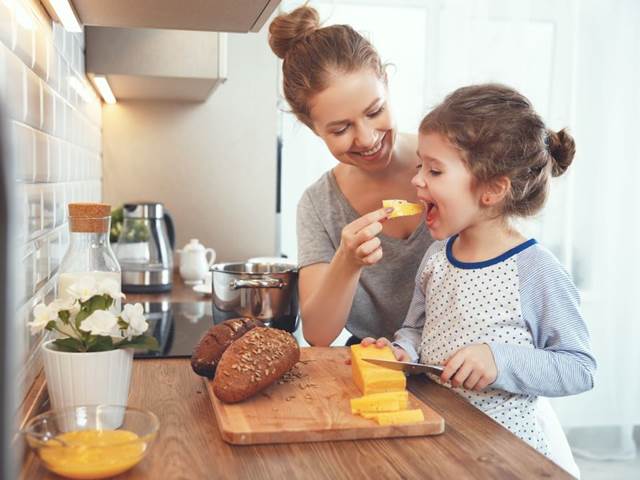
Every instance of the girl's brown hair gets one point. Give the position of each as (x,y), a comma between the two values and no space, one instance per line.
(500,135)
(312,55)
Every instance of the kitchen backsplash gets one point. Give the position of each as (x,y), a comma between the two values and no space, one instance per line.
(55,122)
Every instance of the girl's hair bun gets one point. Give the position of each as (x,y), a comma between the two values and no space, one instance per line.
(562,149)
(286,29)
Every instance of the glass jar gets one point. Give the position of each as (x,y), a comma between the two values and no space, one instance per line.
(89,252)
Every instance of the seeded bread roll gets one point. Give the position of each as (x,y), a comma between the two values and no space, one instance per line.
(215,341)
(254,362)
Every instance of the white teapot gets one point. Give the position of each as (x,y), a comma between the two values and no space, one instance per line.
(194,264)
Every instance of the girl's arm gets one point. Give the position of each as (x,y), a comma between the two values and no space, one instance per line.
(409,337)
(561,362)
(410,334)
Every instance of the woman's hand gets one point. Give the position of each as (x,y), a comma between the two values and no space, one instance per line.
(359,242)
(401,354)
(472,367)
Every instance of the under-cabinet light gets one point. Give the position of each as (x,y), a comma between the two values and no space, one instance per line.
(66,15)
(105,90)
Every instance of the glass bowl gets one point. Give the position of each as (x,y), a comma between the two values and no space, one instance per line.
(95,441)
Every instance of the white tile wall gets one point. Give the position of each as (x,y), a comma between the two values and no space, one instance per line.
(56,138)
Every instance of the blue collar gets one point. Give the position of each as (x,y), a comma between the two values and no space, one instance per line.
(485,263)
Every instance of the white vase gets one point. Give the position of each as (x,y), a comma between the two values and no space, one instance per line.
(93,378)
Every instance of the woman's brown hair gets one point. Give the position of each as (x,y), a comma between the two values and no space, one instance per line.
(500,135)
(312,55)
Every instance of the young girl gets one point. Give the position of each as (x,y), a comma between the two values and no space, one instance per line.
(496,309)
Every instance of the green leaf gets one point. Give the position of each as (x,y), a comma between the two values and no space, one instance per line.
(82,315)
(100,343)
(64,316)
(98,302)
(122,325)
(108,301)
(69,345)
(51,325)
(141,342)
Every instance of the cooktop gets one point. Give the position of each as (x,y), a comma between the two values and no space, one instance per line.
(176,326)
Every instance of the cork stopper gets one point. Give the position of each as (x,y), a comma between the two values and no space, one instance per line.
(89,217)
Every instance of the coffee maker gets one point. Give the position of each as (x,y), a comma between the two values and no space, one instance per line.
(145,248)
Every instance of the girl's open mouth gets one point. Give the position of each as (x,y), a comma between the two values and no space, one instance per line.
(432,212)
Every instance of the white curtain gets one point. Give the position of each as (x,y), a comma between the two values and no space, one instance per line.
(579,63)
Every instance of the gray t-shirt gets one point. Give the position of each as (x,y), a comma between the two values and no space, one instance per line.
(385,289)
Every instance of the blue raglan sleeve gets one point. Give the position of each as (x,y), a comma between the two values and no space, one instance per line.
(410,334)
(561,362)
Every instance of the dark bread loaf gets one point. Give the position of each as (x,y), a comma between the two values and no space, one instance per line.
(254,362)
(215,341)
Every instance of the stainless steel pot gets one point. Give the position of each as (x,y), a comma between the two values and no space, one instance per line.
(264,291)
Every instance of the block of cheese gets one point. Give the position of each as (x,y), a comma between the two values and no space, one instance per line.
(370,378)
(380,402)
(400,417)
(402,208)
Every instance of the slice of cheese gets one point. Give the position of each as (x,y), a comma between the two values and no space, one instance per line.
(380,402)
(396,418)
(370,415)
(371,378)
(402,208)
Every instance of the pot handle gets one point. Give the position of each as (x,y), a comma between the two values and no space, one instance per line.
(266,283)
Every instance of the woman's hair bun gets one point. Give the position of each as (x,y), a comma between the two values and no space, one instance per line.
(562,149)
(288,28)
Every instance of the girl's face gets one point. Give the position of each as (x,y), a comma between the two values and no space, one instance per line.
(353,119)
(444,185)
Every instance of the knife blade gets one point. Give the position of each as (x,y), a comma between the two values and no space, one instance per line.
(407,367)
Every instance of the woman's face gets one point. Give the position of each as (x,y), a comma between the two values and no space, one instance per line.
(353,118)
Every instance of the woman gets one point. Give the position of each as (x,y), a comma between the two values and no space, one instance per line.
(356,269)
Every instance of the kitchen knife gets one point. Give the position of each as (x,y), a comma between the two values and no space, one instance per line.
(407,367)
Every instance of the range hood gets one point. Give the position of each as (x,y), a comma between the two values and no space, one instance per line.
(206,15)
(154,64)
(164,49)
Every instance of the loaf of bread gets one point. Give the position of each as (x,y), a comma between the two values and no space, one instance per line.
(214,342)
(253,362)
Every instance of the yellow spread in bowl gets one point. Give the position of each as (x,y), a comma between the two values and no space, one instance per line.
(93,453)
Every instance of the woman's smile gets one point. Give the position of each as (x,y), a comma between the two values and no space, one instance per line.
(374,153)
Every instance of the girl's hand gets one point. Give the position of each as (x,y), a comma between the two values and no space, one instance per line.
(359,241)
(401,354)
(472,367)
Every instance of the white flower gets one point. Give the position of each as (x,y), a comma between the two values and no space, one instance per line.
(134,316)
(110,287)
(42,315)
(83,289)
(65,303)
(101,322)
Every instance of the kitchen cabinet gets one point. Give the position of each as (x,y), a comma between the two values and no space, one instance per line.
(155,64)
(215,16)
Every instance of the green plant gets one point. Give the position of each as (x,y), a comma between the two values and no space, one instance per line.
(85,320)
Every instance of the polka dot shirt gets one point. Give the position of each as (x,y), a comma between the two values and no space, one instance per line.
(474,304)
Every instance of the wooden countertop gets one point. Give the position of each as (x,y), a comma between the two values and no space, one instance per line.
(189,445)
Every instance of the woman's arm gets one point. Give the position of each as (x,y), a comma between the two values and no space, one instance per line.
(326,296)
(327,290)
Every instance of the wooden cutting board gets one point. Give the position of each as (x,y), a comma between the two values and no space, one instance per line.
(312,406)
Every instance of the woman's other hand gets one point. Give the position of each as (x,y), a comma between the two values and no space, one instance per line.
(401,354)
(472,367)
(359,243)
